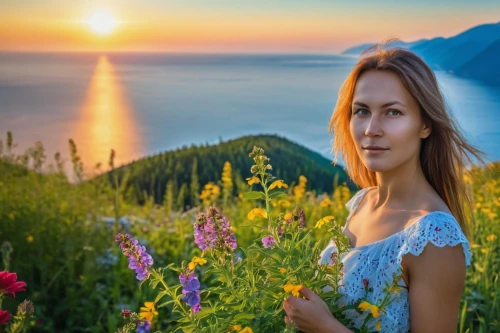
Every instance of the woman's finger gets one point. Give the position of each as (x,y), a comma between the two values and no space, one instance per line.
(287,307)
(287,321)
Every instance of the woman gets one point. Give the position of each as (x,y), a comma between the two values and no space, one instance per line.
(399,143)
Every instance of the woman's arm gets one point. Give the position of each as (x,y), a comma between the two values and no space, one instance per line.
(311,314)
(437,278)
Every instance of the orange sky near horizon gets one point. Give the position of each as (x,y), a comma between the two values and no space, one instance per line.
(198,30)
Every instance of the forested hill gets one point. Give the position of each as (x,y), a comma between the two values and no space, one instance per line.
(188,169)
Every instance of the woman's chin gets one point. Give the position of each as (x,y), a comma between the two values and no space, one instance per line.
(376,166)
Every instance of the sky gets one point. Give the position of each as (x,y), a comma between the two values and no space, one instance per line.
(231,26)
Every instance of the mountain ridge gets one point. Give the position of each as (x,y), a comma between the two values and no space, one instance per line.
(459,54)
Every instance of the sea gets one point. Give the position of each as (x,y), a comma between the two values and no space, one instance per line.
(142,104)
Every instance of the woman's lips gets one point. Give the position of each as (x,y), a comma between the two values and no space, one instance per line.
(375,151)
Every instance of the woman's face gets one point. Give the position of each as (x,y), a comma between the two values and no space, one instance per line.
(384,114)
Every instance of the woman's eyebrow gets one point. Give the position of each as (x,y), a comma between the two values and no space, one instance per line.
(382,106)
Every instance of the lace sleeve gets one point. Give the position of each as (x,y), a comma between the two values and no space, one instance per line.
(439,228)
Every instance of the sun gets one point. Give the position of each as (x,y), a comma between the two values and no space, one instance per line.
(102,22)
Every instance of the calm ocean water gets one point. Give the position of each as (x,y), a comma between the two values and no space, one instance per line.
(141,104)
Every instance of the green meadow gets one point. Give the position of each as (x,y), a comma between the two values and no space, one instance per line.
(61,228)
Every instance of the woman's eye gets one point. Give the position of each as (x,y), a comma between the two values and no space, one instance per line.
(394,110)
(355,112)
(399,112)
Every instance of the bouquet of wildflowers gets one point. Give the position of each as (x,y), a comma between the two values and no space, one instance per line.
(244,293)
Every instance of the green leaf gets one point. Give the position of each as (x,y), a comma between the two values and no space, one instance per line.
(278,194)
(188,329)
(164,304)
(244,316)
(254,195)
(160,296)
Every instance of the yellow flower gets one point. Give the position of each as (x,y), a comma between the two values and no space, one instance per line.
(288,216)
(284,203)
(324,220)
(215,190)
(377,326)
(325,202)
(283,270)
(253,180)
(293,288)
(367,306)
(491,237)
(196,261)
(235,328)
(279,184)
(484,250)
(30,239)
(364,306)
(257,212)
(246,330)
(148,311)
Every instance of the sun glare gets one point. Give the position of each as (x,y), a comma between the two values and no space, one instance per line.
(102,22)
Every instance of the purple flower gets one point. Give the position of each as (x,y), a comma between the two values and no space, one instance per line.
(302,219)
(268,241)
(190,290)
(196,308)
(138,259)
(212,230)
(189,282)
(144,326)
(191,297)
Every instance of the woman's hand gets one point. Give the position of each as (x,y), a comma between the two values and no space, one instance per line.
(310,314)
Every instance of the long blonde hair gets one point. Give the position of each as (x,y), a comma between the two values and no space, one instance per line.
(443,153)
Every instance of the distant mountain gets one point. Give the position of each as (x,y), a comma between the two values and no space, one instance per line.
(452,53)
(356,50)
(462,54)
(289,160)
(478,68)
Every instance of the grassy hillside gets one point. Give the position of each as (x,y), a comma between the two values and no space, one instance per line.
(197,165)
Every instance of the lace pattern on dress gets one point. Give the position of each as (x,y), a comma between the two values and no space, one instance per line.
(376,263)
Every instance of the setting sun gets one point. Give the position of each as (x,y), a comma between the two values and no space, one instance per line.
(102,22)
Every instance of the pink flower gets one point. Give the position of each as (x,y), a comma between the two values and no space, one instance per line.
(4,316)
(8,284)
(268,241)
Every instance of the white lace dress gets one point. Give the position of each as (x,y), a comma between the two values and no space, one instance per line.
(376,262)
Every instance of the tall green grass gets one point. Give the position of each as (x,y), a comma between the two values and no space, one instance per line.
(64,248)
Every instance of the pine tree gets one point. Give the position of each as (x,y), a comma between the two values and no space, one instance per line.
(195,184)
(168,198)
(181,198)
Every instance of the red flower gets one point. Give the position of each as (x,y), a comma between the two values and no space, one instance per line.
(8,284)
(4,316)
(365,283)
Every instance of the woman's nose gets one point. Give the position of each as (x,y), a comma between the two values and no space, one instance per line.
(374,127)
